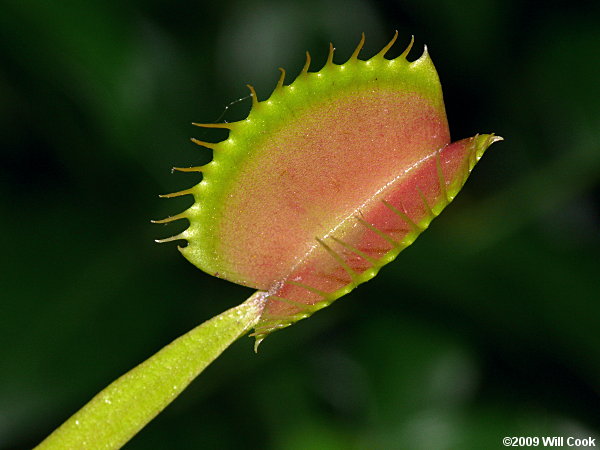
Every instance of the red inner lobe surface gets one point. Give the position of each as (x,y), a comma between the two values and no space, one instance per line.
(313,173)
(321,271)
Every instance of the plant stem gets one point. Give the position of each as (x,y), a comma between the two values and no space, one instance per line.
(118,412)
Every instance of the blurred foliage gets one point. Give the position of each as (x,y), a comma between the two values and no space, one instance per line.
(488,326)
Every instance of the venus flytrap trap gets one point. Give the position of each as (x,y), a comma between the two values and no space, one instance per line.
(323,183)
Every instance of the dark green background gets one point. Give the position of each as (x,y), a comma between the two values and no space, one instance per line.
(488,326)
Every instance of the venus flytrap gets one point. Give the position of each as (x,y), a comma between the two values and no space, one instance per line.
(323,183)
